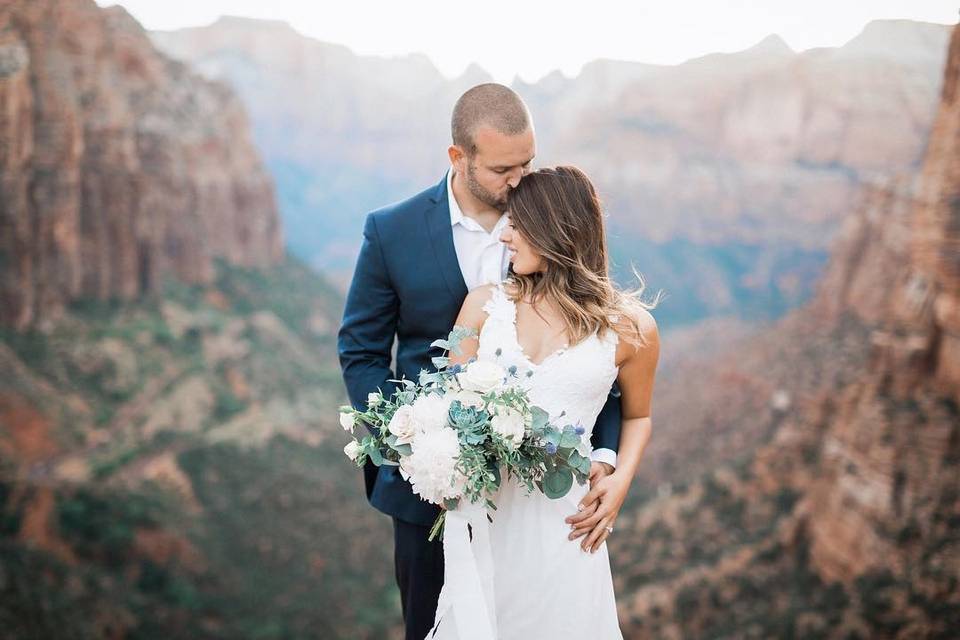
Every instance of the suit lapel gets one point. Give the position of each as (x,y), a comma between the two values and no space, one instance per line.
(441,237)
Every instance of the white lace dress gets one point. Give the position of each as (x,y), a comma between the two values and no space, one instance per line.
(544,585)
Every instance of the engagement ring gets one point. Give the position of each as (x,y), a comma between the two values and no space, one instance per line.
(609,529)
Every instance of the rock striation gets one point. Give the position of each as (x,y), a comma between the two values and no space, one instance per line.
(118,165)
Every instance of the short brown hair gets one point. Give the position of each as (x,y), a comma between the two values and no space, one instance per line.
(491,104)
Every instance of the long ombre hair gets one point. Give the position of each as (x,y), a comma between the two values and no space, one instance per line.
(558,212)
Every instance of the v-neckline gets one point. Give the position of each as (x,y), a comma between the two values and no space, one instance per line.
(516,338)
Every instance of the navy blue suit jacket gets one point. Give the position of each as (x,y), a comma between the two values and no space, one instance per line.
(407,283)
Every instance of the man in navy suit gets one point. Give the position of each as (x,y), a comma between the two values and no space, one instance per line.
(417,261)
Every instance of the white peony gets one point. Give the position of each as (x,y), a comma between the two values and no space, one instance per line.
(482,376)
(467,398)
(347,421)
(430,411)
(402,425)
(352,449)
(431,467)
(509,425)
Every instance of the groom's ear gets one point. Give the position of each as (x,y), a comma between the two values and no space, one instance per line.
(457,156)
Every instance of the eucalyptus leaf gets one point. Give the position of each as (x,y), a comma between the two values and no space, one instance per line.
(495,469)
(585,466)
(557,483)
(456,336)
(569,439)
(552,436)
(540,418)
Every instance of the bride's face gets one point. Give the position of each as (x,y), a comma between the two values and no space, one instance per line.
(524,257)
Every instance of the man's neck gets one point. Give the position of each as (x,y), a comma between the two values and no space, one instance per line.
(471,207)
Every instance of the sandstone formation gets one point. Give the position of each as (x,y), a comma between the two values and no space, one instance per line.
(765,146)
(118,166)
(845,521)
(893,448)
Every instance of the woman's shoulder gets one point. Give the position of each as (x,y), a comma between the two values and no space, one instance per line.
(479,296)
(637,329)
(481,301)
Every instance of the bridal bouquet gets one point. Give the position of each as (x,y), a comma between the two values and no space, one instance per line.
(457,430)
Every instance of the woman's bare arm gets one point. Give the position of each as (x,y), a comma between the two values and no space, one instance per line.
(636,377)
(471,316)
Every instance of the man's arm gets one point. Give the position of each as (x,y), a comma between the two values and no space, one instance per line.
(606,432)
(366,334)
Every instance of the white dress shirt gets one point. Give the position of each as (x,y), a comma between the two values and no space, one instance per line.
(484,259)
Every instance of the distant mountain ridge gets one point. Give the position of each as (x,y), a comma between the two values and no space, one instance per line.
(826,449)
(737,165)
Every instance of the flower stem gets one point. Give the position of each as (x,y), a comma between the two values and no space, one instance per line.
(437,528)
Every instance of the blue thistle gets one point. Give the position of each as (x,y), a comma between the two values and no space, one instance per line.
(456,369)
(580,430)
(513,369)
(551,448)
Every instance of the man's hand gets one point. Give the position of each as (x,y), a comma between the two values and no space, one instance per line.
(601,506)
(598,470)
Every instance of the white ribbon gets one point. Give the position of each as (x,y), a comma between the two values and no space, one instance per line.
(466,607)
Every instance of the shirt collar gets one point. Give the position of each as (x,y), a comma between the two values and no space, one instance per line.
(456,214)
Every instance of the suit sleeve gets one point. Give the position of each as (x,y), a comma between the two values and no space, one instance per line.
(365,339)
(606,432)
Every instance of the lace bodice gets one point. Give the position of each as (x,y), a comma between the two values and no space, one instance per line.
(490,563)
(575,379)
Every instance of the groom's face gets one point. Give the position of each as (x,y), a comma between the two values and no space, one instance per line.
(499,163)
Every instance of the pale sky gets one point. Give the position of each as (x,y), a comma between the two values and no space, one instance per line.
(531,38)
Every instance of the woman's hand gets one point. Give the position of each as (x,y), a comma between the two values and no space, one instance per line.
(609,491)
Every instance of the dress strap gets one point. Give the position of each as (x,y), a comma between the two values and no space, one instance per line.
(612,337)
(499,306)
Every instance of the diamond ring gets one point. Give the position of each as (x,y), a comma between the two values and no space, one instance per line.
(609,529)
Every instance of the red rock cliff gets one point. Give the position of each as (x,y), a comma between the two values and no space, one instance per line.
(118,166)
(888,483)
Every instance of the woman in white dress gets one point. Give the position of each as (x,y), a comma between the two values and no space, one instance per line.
(569,333)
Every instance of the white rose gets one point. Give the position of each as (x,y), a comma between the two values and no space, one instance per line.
(402,425)
(430,411)
(352,449)
(482,376)
(373,399)
(510,425)
(467,398)
(347,421)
